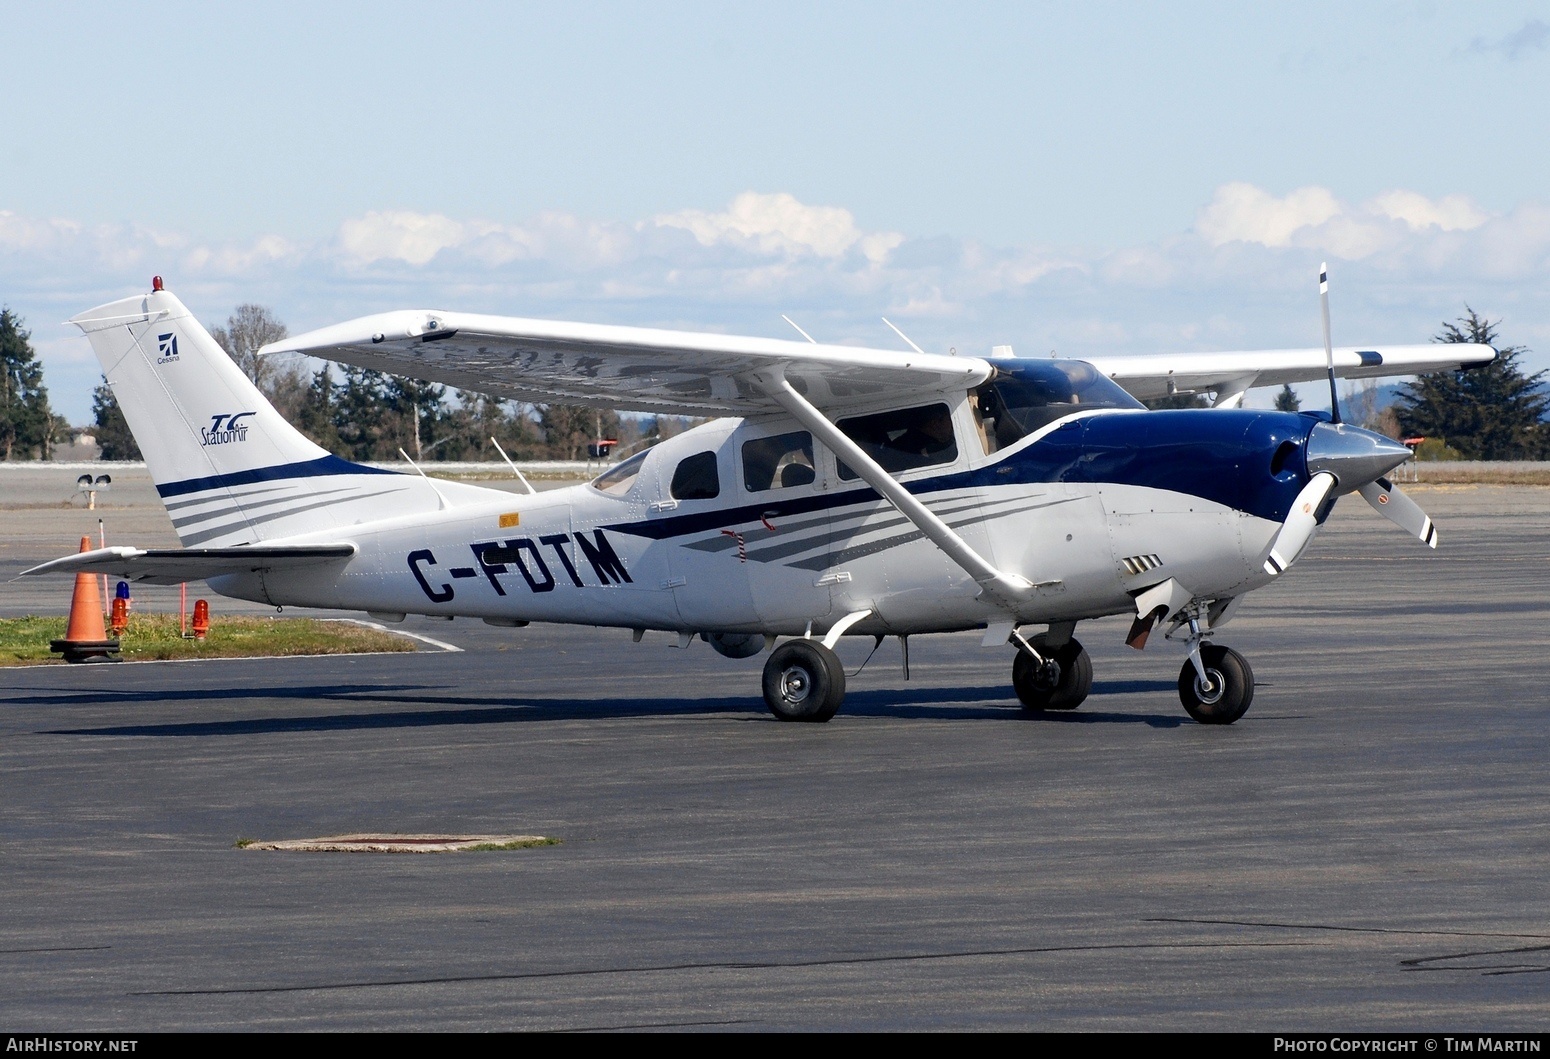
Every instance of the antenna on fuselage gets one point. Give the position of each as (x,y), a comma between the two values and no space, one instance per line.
(440,496)
(1329,349)
(801,332)
(526,484)
(904,336)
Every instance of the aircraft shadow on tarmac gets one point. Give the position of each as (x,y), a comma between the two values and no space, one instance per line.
(910,703)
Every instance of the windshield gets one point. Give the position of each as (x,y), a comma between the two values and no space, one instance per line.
(618,480)
(1025,395)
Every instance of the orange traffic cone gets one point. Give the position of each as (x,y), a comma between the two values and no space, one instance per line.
(86,640)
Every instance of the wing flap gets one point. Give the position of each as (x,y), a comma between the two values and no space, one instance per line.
(1160,375)
(171,566)
(633,368)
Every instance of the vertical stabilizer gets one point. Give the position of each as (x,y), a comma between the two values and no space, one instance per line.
(228,466)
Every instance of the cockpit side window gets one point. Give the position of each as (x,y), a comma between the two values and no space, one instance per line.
(903,440)
(617,481)
(1024,396)
(780,462)
(696,478)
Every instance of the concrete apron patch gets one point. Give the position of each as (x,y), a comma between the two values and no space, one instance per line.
(400,843)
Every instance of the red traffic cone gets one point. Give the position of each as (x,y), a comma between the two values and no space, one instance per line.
(86,640)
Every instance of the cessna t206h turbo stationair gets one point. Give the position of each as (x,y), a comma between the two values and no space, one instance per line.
(859,491)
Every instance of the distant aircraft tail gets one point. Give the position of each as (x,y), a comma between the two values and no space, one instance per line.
(229,468)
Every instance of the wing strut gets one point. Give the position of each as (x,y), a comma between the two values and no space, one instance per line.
(1008,590)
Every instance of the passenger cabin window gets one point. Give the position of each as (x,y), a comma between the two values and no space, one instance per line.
(1024,396)
(780,462)
(618,480)
(903,440)
(696,478)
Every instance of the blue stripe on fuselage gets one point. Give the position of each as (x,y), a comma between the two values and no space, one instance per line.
(1221,455)
(327,465)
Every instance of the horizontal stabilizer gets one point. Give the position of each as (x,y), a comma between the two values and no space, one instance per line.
(171,566)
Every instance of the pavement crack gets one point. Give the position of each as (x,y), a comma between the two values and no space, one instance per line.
(755,965)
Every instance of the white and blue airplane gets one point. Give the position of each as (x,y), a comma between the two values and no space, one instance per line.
(857,491)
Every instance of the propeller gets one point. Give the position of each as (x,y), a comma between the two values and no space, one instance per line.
(1298,528)
(1345,459)
(1400,510)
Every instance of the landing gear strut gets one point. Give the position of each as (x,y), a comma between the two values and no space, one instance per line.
(1216,685)
(803,681)
(1223,694)
(1051,678)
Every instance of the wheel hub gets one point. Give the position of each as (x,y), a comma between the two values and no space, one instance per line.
(1209,691)
(795,684)
(1049,675)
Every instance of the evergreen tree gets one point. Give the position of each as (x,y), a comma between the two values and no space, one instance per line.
(113,434)
(315,416)
(1178,400)
(417,411)
(27,424)
(1490,413)
(360,414)
(1287,400)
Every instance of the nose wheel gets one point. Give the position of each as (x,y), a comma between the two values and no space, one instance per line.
(1220,689)
(1059,682)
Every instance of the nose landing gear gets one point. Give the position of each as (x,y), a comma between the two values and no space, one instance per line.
(1223,692)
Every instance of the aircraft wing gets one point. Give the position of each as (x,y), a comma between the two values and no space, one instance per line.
(171,566)
(1230,374)
(635,368)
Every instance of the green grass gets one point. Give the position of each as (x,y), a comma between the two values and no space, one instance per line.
(24,641)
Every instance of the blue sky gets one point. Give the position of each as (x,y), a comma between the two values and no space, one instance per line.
(1087,178)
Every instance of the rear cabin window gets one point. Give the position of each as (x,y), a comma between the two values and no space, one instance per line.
(1024,396)
(619,480)
(696,478)
(780,462)
(903,440)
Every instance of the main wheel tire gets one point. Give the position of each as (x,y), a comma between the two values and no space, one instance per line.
(1065,688)
(1232,686)
(803,681)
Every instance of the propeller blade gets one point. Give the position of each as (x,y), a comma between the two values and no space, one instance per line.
(1329,349)
(1298,528)
(1400,510)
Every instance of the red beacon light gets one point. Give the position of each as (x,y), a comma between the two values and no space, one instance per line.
(156,286)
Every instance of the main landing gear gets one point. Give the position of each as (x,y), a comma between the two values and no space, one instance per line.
(1051,678)
(803,681)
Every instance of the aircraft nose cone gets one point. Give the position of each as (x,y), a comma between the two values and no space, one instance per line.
(1353,455)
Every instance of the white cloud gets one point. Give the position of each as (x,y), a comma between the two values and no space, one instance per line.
(1244,213)
(1450,213)
(400,235)
(1314,218)
(781,224)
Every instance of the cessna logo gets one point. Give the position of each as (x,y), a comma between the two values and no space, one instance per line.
(225,429)
(166,348)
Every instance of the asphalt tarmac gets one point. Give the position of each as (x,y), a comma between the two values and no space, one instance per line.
(1366,850)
